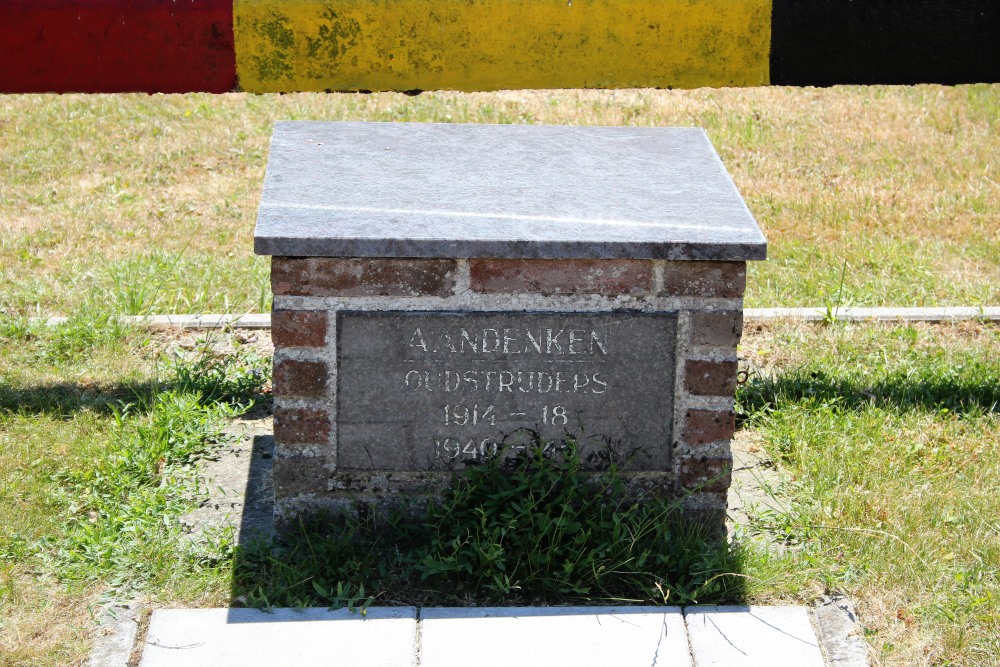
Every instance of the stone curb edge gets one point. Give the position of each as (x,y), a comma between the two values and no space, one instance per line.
(944,314)
(849,314)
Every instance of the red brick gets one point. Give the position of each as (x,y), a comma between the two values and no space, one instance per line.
(298,328)
(704,426)
(710,378)
(299,378)
(707,473)
(721,328)
(301,426)
(335,276)
(562,276)
(717,279)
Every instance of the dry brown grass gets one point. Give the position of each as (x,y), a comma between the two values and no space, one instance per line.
(41,624)
(899,182)
(770,347)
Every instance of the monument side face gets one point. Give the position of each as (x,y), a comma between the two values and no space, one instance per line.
(461,308)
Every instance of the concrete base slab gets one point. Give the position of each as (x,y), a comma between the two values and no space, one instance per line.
(240,637)
(115,636)
(752,637)
(847,314)
(237,492)
(554,636)
(756,488)
(839,633)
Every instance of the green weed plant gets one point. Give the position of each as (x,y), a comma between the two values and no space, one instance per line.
(122,514)
(528,529)
(120,527)
(218,378)
(73,339)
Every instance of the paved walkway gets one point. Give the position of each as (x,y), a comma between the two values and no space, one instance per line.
(459,637)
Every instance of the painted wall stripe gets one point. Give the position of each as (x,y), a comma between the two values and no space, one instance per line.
(289,45)
(310,45)
(108,46)
(827,42)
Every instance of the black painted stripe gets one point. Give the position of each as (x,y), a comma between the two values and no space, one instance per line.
(829,42)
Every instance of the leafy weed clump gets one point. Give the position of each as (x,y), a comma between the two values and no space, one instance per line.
(122,513)
(77,337)
(215,377)
(538,527)
(530,529)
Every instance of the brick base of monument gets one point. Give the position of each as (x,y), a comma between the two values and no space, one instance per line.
(322,458)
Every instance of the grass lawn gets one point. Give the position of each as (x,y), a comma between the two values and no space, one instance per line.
(886,437)
(99,429)
(889,439)
(146,203)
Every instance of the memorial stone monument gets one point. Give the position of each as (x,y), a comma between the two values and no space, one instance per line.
(448,293)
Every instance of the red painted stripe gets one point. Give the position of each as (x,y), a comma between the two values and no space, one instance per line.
(110,46)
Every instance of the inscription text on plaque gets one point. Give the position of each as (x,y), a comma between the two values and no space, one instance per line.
(438,390)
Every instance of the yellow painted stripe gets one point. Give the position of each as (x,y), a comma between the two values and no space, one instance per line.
(309,45)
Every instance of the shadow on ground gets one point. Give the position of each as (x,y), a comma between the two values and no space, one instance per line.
(66,398)
(958,391)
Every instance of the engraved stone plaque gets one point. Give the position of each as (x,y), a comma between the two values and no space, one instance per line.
(443,390)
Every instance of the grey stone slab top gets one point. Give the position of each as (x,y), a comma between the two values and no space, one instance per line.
(516,191)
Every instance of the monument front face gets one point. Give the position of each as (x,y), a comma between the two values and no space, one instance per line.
(440,390)
(447,293)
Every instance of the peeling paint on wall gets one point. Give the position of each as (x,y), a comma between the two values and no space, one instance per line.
(176,46)
(310,45)
(109,46)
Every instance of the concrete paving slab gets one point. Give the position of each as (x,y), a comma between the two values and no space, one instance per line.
(237,492)
(752,637)
(240,637)
(115,636)
(839,633)
(553,636)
